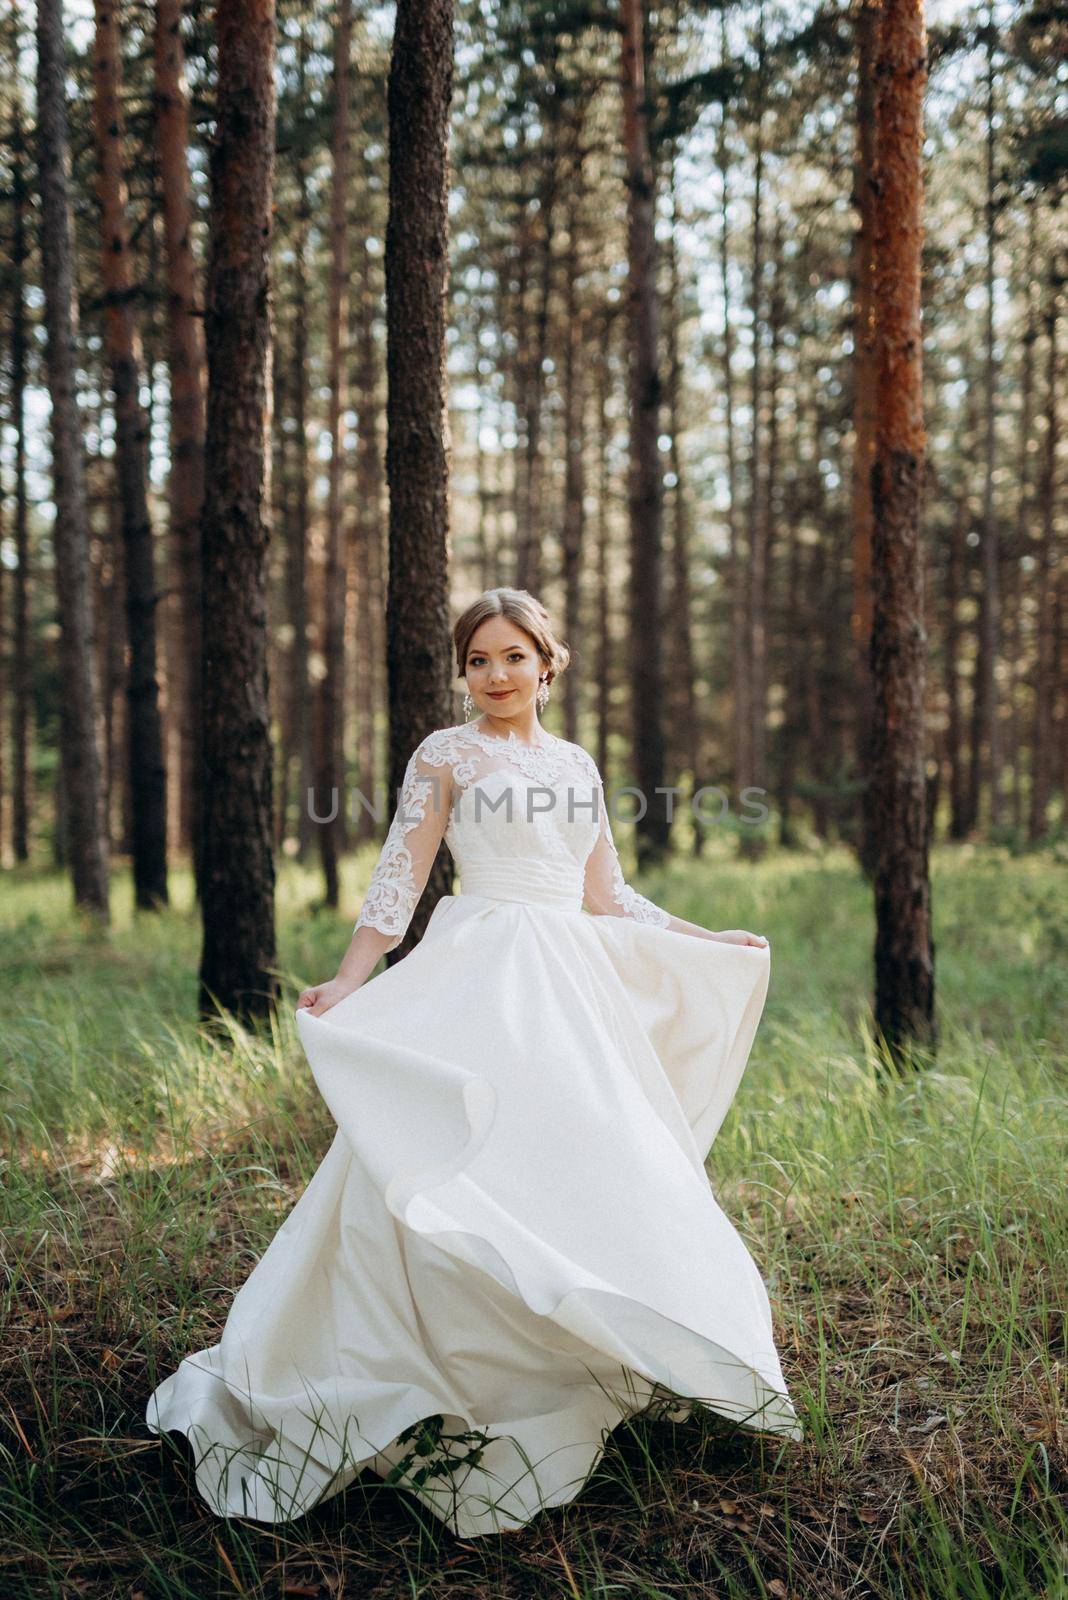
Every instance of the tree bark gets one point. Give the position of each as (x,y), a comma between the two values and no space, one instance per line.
(764,568)
(645,588)
(757,520)
(867,30)
(369,598)
(813,679)
(297,548)
(418,650)
(1045,666)
(955,573)
(680,604)
(330,766)
(529,567)
(82,789)
(904,949)
(6,693)
(519,376)
(239,951)
(481,563)
(574,521)
(792,672)
(185,354)
(280,662)
(21,681)
(111,658)
(144,747)
(1024,511)
(989,744)
(737,586)
(1059,717)
(603,617)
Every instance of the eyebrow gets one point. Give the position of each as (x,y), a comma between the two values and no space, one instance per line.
(477,652)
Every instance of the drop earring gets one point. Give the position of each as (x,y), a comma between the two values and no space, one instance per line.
(542,694)
(469,706)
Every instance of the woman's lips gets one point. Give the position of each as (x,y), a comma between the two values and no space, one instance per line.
(498,694)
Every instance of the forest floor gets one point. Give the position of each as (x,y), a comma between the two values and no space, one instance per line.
(913,1235)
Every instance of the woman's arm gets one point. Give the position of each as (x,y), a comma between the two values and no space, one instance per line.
(725,936)
(607,893)
(399,876)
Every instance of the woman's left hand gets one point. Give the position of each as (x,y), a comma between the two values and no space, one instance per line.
(740,936)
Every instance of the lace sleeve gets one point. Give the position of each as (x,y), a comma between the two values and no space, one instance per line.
(605,890)
(411,845)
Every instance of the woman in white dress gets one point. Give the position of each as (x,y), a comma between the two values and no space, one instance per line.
(512,1243)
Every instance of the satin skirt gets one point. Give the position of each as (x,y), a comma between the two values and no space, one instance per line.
(512,1243)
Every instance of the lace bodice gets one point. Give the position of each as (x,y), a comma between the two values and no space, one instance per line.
(522,822)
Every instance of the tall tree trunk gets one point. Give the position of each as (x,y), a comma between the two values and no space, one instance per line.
(770,495)
(21,681)
(737,584)
(280,662)
(239,952)
(989,744)
(503,458)
(1045,576)
(111,664)
(529,570)
(495,492)
(1059,740)
(971,587)
(297,549)
(82,789)
(481,563)
(1024,510)
(814,669)
(867,30)
(758,510)
(603,623)
(185,354)
(6,693)
(792,677)
(1060,724)
(519,377)
(368,540)
(955,578)
(574,442)
(974,583)
(330,767)
(417,622)
(904,948)
(680,605)
(645,589)
(147,774)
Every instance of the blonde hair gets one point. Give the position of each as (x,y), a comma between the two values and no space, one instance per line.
(527,612)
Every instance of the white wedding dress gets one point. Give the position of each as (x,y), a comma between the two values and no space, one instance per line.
(512,1243)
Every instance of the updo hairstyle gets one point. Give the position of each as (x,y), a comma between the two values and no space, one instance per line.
(527,612)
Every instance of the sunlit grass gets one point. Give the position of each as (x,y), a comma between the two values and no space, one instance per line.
(912,1234)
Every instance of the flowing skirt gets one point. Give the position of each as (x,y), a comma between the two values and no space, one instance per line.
(512,1243)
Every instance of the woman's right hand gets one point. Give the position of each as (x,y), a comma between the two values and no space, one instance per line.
(321,996)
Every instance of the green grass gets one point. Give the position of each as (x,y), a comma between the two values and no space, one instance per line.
(912,1234)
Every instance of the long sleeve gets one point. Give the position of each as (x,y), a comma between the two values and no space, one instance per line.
(605,890)
(415,833)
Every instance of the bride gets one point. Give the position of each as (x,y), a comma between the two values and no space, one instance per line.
(512,1243)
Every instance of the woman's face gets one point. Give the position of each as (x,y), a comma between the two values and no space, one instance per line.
(503,668)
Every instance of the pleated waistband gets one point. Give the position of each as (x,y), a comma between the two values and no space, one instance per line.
(519,881)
